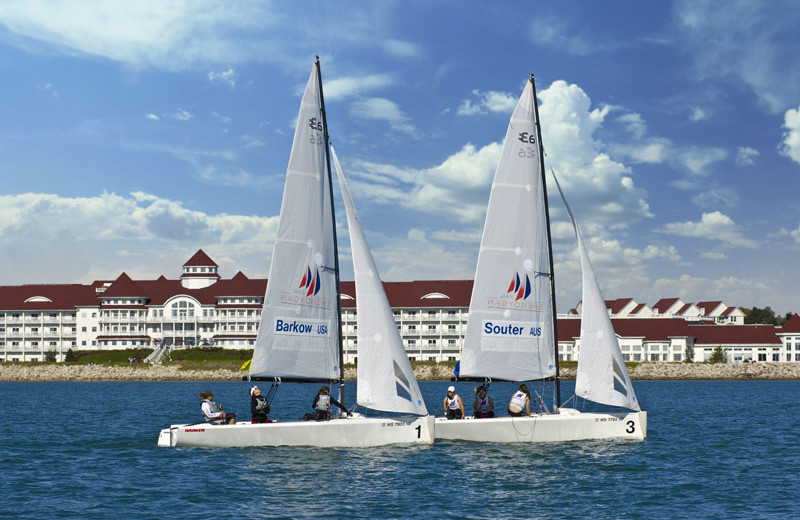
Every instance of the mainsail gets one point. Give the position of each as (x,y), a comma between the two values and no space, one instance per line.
(299,333)
(510,328)
(601,376)
(385,377)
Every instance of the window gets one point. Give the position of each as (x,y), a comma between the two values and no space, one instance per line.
(412,328)
(83,329)
(677,357)
(451,328)
(762,356)
(776,357)
(431,328)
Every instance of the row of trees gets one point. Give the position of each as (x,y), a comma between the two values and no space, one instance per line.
(765,315)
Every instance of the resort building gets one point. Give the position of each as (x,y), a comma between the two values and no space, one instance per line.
(201,308)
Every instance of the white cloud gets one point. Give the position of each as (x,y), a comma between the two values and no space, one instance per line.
(748,42)
(745,156)
(152,117)
(223,119)
(491,101)
(634,124)
(552,32)
(252,142)
(457,188)
(383,110)
(49,89)
(791,137)
(401,49)
(180,115)
(712,226)
(226,77)
(697,159)
(69,237)
(403,258)
(344,87)
(795,234)
(698,114)
(170,35)
(600,189)
(713,255)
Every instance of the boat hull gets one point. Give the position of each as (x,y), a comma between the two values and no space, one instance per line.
(346,432)
(568,425)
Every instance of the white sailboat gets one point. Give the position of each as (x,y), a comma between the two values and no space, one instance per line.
(300,331)
(511,331)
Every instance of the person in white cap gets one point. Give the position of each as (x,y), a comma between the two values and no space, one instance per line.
(259,407)
(453,406)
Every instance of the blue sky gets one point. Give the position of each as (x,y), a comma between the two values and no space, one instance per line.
(134,133)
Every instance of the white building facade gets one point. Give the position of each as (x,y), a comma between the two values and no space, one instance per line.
(38,322)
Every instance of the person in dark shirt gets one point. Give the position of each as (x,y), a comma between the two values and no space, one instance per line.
(259,407)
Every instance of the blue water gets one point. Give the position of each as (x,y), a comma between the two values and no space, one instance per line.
(715,449)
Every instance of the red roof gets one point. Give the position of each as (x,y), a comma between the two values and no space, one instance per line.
(708,307)
(123,287)
(650,329)
(617,305)
(52,296)
(411,294)
(664,304)
(199,259)
(792,325)
(735,335)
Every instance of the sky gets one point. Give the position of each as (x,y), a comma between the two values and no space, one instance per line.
(133,134)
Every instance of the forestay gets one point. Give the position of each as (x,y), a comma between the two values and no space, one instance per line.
(601,376)
(298,335)
(385,377)
(510,327)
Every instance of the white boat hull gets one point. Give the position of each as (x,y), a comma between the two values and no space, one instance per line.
(568,425)
(346,432)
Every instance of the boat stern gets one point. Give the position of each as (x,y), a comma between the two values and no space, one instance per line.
(165,438)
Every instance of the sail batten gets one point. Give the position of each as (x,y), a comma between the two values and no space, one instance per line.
(385,378)
(298,336)
(510,327)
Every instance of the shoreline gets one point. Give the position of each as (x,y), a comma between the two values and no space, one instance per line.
(173,372)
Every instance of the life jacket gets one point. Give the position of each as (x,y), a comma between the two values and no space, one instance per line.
(324,403)
(483,404)
(261,405)
(213,409)
(452,404)
(518,400)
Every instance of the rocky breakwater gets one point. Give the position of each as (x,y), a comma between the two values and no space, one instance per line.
(716,371)
(52,372)
(174,372)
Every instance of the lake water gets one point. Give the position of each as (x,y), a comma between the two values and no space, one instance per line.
(715,449)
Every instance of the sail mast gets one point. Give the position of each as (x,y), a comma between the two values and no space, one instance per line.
(549,240)
(335,241)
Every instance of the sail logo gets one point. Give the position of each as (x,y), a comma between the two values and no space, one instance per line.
(310,284)
(519,290)
(511,329)
(299,327)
